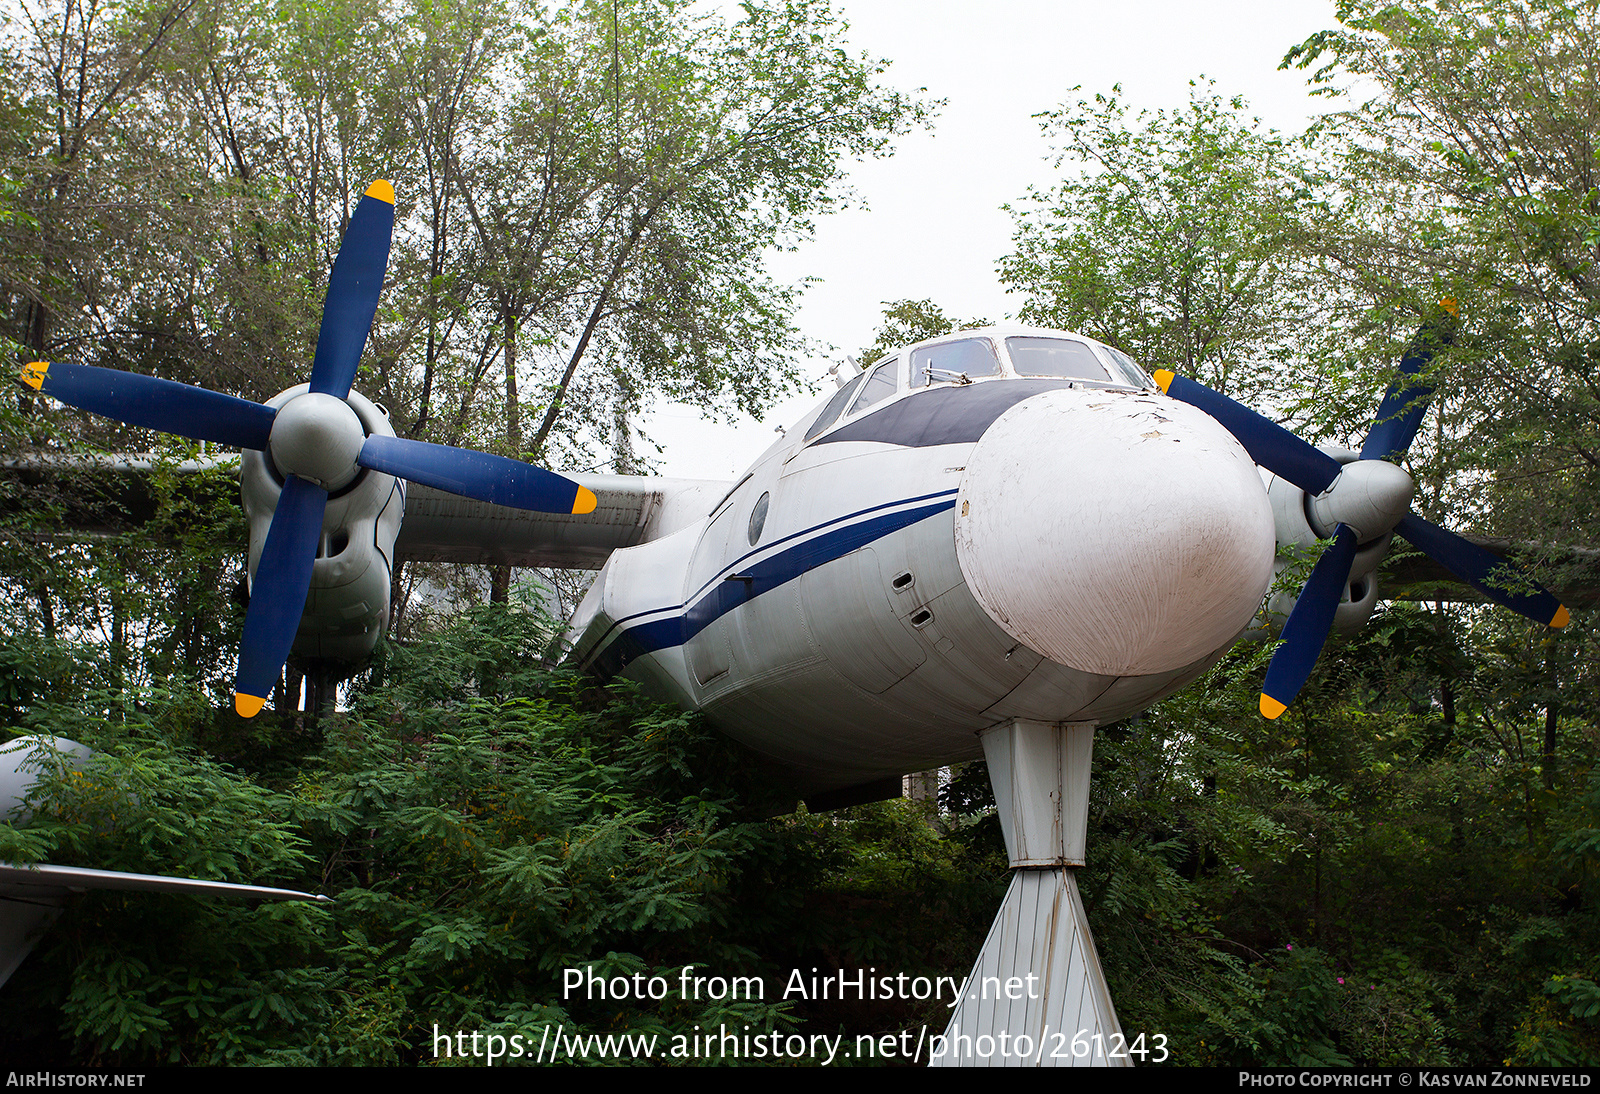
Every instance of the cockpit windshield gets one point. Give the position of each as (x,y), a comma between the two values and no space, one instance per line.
(835,407)
(1064,358)
(1130,368)
(964,359)
(969,356)
(880,384)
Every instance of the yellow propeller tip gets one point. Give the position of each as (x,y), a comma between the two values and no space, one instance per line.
(585,501)
(1561,618)
(1449,304)
(248,706)
(382,191)
(33,373)
(1163,378)
(1270,707)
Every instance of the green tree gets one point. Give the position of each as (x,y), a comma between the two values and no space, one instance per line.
(593,185)
(485,824)
(725,140)
(909,321)
(100,248)
(1173,235)
(1472,173)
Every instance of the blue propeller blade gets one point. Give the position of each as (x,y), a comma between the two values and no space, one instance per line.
(283,572)
(1268,443)
(278,593)
(476,475)
(145,401)
(1494,577)
(1307,629)
(353,289)
(1400,414)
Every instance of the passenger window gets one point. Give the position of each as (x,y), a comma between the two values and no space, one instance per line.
(880,384)
(1058,357)
(835,407)
(970,358)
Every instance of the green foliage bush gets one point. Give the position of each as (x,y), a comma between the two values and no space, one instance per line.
(484,824)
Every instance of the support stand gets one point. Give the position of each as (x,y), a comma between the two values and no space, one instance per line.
(1037,996)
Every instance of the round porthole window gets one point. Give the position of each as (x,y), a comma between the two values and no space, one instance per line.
(758,518)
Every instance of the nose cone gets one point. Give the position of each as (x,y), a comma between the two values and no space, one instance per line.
(1117,534)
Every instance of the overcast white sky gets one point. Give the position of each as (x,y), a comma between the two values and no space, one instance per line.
(934,227)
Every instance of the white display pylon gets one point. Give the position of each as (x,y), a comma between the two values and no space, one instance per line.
(1037,996)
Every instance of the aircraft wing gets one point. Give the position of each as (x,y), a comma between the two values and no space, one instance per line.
(438,526)
(31,898)
(32,883)
(103,494)
(1414,576)
(632,509)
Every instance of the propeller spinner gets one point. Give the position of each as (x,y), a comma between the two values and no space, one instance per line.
(315,439)
(1357,503)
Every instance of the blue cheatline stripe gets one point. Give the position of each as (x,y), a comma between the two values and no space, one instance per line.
(762,577)
(736,563)
(733,567)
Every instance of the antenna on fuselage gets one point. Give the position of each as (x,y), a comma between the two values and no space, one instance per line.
(845,371)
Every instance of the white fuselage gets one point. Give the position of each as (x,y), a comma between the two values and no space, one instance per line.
(866,600)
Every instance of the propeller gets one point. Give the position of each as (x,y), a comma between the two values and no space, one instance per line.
(315,439)
(1358,503)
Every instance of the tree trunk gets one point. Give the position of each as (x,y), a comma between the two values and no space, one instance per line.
(1551,721)
(602,301)
(397,600)
(500,576)
(513,410)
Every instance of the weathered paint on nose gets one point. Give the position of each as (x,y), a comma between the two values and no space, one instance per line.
(1117,533)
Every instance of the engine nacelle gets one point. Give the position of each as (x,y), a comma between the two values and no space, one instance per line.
(1291,516)
(347,607)
(24,761)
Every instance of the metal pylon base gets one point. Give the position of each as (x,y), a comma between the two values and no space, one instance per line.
(1037,996)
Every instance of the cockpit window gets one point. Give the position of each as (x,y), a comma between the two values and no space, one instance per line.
(969,357)
(880,384)
(1059,357)
(1136,375)
(835,407)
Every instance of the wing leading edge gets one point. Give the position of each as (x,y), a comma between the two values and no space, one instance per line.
(631,509)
